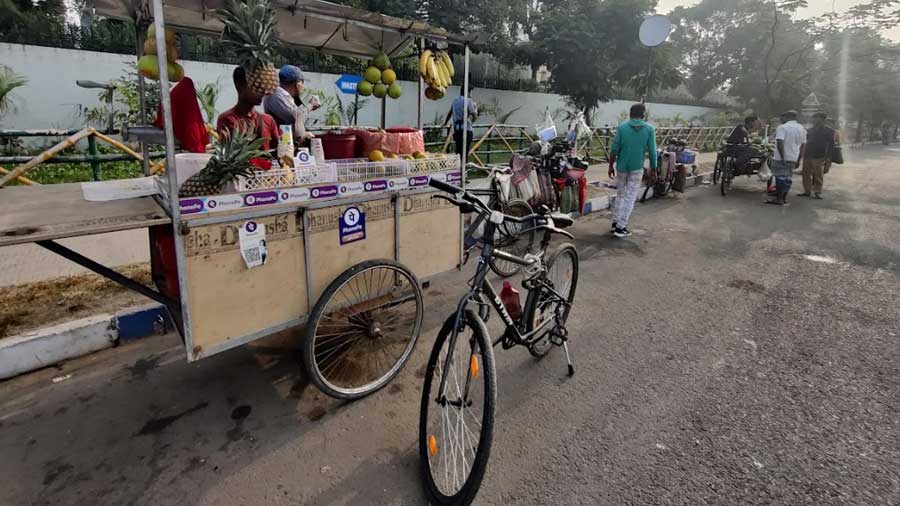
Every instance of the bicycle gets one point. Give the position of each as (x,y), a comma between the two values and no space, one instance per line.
(460,388)
(663,185)
(510,236)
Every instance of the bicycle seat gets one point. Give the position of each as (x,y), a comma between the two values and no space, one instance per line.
(561,220)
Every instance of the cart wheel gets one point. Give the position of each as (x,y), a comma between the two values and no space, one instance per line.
(363,329)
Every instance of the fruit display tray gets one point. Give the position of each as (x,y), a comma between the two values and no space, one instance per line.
(349,170)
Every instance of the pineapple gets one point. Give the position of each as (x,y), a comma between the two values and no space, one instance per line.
(250,33)
(230,160)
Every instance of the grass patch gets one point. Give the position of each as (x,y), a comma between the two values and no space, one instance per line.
(34,305)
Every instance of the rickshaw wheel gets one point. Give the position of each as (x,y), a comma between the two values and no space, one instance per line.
(363,329)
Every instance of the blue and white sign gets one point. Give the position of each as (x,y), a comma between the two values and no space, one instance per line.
(347,83)
(352,227)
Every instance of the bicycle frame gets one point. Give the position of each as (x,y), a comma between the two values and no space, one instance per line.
(481,287)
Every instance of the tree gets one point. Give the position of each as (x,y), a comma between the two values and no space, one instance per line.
(592,48)
(755,49)
(9,81)
(870,77)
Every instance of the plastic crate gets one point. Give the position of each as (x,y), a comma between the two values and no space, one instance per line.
(280,178)
(686,157)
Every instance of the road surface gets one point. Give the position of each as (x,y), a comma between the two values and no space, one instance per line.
(729,353)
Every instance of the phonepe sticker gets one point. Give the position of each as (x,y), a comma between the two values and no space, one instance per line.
(324,192)
(418,181)
(454,177)
(224,203)
(399,183)
(351,188)
(260,199)
(252,237)
(295,195)
(376,186)
(191,206)
(352,226)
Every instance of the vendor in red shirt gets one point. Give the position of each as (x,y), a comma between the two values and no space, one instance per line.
(244,115)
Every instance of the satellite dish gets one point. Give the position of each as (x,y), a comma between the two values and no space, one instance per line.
(655,30)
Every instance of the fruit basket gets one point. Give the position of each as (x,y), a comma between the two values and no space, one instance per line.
(360,169)
(280,178)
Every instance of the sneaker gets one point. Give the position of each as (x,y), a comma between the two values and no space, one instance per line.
(614,227)
(804,194)
(819,196)
(622,232)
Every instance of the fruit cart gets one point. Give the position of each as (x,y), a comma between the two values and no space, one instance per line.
(342,247)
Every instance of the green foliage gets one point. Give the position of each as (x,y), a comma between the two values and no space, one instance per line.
(592,47)
(333,110)
(127,100)
(207,95)
(9,81)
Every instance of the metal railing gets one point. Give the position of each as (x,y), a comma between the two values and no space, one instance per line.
(24,163)
(496,143)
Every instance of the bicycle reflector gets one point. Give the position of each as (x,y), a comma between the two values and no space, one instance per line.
(432,445)
(473,366)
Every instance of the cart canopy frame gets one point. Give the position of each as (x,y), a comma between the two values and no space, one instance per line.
(311,24)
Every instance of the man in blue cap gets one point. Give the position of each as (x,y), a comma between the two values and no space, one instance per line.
(286,106)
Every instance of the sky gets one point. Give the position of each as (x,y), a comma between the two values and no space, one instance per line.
(815,8)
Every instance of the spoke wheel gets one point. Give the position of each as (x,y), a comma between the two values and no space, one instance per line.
(513,238)
(456,427)
(541,304)
(363,329)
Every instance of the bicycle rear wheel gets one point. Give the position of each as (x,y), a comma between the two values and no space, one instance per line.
(541,304)
(456,429)
(513,238)
(727,175)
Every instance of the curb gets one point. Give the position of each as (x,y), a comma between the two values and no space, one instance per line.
(50,345)
(598,204)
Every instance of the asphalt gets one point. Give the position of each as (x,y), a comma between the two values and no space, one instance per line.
(730,352)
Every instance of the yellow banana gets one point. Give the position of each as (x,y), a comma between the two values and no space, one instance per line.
(433,72)
(442,71)
(448,62)
(446,74)
(423,62)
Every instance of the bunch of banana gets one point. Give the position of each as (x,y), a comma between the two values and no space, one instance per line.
(437,70)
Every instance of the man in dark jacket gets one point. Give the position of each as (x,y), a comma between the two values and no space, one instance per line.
(819,146)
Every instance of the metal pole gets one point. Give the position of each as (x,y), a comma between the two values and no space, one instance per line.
(420,108)
(171,171)
(465,125)
(140,35)
(95,164)
(649,75)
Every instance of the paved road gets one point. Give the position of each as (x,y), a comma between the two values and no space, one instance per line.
(729,353)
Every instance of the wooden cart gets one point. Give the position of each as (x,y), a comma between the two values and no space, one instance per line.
(346,257)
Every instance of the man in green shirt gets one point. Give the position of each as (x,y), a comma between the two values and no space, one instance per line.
(635,139)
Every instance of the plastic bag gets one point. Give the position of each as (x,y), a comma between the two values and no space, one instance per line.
(764,172)
(578,128)
(546,131)
(396,143)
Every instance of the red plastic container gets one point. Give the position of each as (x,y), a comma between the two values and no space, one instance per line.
(338,146)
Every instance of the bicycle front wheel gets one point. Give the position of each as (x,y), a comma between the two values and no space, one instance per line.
(513,238)
(363,329)
(456,426)
(542,304)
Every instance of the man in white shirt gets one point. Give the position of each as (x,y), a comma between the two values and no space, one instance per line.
(790,144)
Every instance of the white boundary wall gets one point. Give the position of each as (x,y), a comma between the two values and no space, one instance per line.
(51,98)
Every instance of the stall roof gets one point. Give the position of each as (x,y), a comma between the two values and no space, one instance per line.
(312,24)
